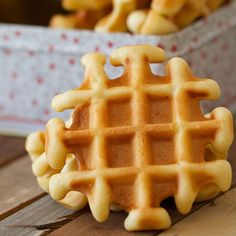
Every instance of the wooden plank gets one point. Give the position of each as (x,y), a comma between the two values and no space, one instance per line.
(216,218)
(45,215)
(87,225)
(17,186)
(37,219)
(11,148)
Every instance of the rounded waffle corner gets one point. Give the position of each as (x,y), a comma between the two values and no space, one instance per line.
(170,150)
(40,165)
(95,57)
(57,188)
(57,103)
(136,20)
(147,219)
(43,183)
(55,149)
(74,200)
(207,192)
(153,54)
(225,135)
(168,7)
(34,144)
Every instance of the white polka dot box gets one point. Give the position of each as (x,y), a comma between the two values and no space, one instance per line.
(37,63)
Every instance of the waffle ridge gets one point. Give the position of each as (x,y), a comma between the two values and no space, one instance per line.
(165,117)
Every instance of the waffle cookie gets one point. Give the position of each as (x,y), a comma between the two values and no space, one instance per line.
(167,16)
(168,7)
(82,19)
(85,14)
(116,20)
(214,4)
(136,16)
(138,139)
(150,22)
(190,12)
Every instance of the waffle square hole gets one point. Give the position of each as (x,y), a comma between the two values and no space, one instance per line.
(159,110)
(199,142)
(80,117)
(163,189)
(194,111)
(162,150)
(83,156)
(123,191)
(119,152)
(119,112)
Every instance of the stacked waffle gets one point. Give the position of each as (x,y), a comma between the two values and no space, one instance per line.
(136,16)
(135,140)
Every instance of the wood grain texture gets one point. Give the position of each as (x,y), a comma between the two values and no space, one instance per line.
(45,216)
(87,225)
(37,218)
(11,148)
(17,185)
(216,218)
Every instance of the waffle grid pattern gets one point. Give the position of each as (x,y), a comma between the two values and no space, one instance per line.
(184,176)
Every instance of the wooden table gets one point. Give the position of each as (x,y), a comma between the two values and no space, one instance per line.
(26,210)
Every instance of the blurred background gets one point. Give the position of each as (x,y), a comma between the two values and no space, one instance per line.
(33,12)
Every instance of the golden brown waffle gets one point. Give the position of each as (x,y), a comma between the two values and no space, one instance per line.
(183,12)
(139,139)
(190,12)
(214,4)
(35,146)
(190,7)
(150,22)
(168,7)
(136,16)
(82,19)
(86,14)
(167,16)
(116,20)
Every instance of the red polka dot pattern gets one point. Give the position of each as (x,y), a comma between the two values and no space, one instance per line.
(38,63)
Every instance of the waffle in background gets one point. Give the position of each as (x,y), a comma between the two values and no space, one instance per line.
(136,16)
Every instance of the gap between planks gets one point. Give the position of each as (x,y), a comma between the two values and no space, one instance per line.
(37,218)
(45,215)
